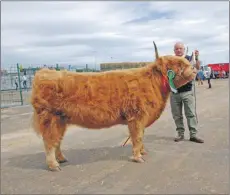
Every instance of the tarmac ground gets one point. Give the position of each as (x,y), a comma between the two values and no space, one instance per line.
(97,164)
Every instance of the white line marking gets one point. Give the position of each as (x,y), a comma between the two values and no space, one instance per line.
(27,113)
(4,116)
(10,136)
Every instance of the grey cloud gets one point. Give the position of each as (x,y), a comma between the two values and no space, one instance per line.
(48,29)
(153,15)
(91,42)
(59,27)
(10,58)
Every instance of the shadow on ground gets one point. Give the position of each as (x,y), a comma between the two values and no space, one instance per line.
(83,156)
(161,139)
(74,156)
(154,138)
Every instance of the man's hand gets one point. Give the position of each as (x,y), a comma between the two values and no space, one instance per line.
(196,52)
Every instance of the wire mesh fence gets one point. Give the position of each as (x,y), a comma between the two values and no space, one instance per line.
(12,82)
(16,82)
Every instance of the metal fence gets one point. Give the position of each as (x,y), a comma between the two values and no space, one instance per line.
(11,87)
(16,83)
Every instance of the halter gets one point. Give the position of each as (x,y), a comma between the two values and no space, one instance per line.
(171,75)
(165,86)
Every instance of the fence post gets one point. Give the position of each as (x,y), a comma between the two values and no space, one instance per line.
(57,67)
(19,82)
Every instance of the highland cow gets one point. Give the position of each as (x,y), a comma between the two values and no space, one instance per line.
(133,97)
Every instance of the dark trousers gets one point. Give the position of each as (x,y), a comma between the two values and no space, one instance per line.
(209,83)
(16,85)
(24,84)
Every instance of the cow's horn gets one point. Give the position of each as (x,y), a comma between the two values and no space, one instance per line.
(156,51)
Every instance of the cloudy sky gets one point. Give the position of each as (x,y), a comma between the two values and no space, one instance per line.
(80,33)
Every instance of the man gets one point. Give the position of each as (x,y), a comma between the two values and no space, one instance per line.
(185,96)
(16,82)
(24,79)
(209,77)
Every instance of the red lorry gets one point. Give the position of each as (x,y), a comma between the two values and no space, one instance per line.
(218,68)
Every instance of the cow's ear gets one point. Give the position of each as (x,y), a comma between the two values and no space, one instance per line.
(161,65)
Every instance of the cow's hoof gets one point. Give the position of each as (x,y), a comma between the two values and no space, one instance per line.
(144,153)
(55,169)
(137,159)
(63,161)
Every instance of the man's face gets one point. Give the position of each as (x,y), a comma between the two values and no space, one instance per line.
(179,49)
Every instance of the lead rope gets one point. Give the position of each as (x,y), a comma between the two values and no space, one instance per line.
(195,101)
(192,59)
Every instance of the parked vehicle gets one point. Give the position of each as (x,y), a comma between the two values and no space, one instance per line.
(206,71)
(218,68)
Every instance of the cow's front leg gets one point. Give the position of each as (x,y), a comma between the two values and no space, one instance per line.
(59,155)
(136,130)
(51,161)
(143,151)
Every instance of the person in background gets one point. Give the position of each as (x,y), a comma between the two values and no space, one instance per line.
(185,96)
(16,82)
(223,74)
(24,80)
(209,77)
(200,76)
(220,74)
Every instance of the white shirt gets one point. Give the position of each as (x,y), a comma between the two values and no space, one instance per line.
(24,78)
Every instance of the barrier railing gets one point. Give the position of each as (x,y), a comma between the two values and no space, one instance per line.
(16,83)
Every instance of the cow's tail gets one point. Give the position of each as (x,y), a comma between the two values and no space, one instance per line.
(44,81)
(35,123)
(41,113)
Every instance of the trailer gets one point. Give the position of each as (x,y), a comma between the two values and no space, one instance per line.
(218,68)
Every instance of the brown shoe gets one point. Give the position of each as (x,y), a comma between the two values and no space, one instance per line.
(179,138)
(196,139)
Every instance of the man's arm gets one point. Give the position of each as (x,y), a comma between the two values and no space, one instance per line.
(197,60)
(197,64)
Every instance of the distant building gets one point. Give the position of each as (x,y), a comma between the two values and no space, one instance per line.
(122,65)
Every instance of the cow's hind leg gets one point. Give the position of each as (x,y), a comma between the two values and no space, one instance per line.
(136,130)
(52,128)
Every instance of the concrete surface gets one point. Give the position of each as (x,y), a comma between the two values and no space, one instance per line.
(97,163)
